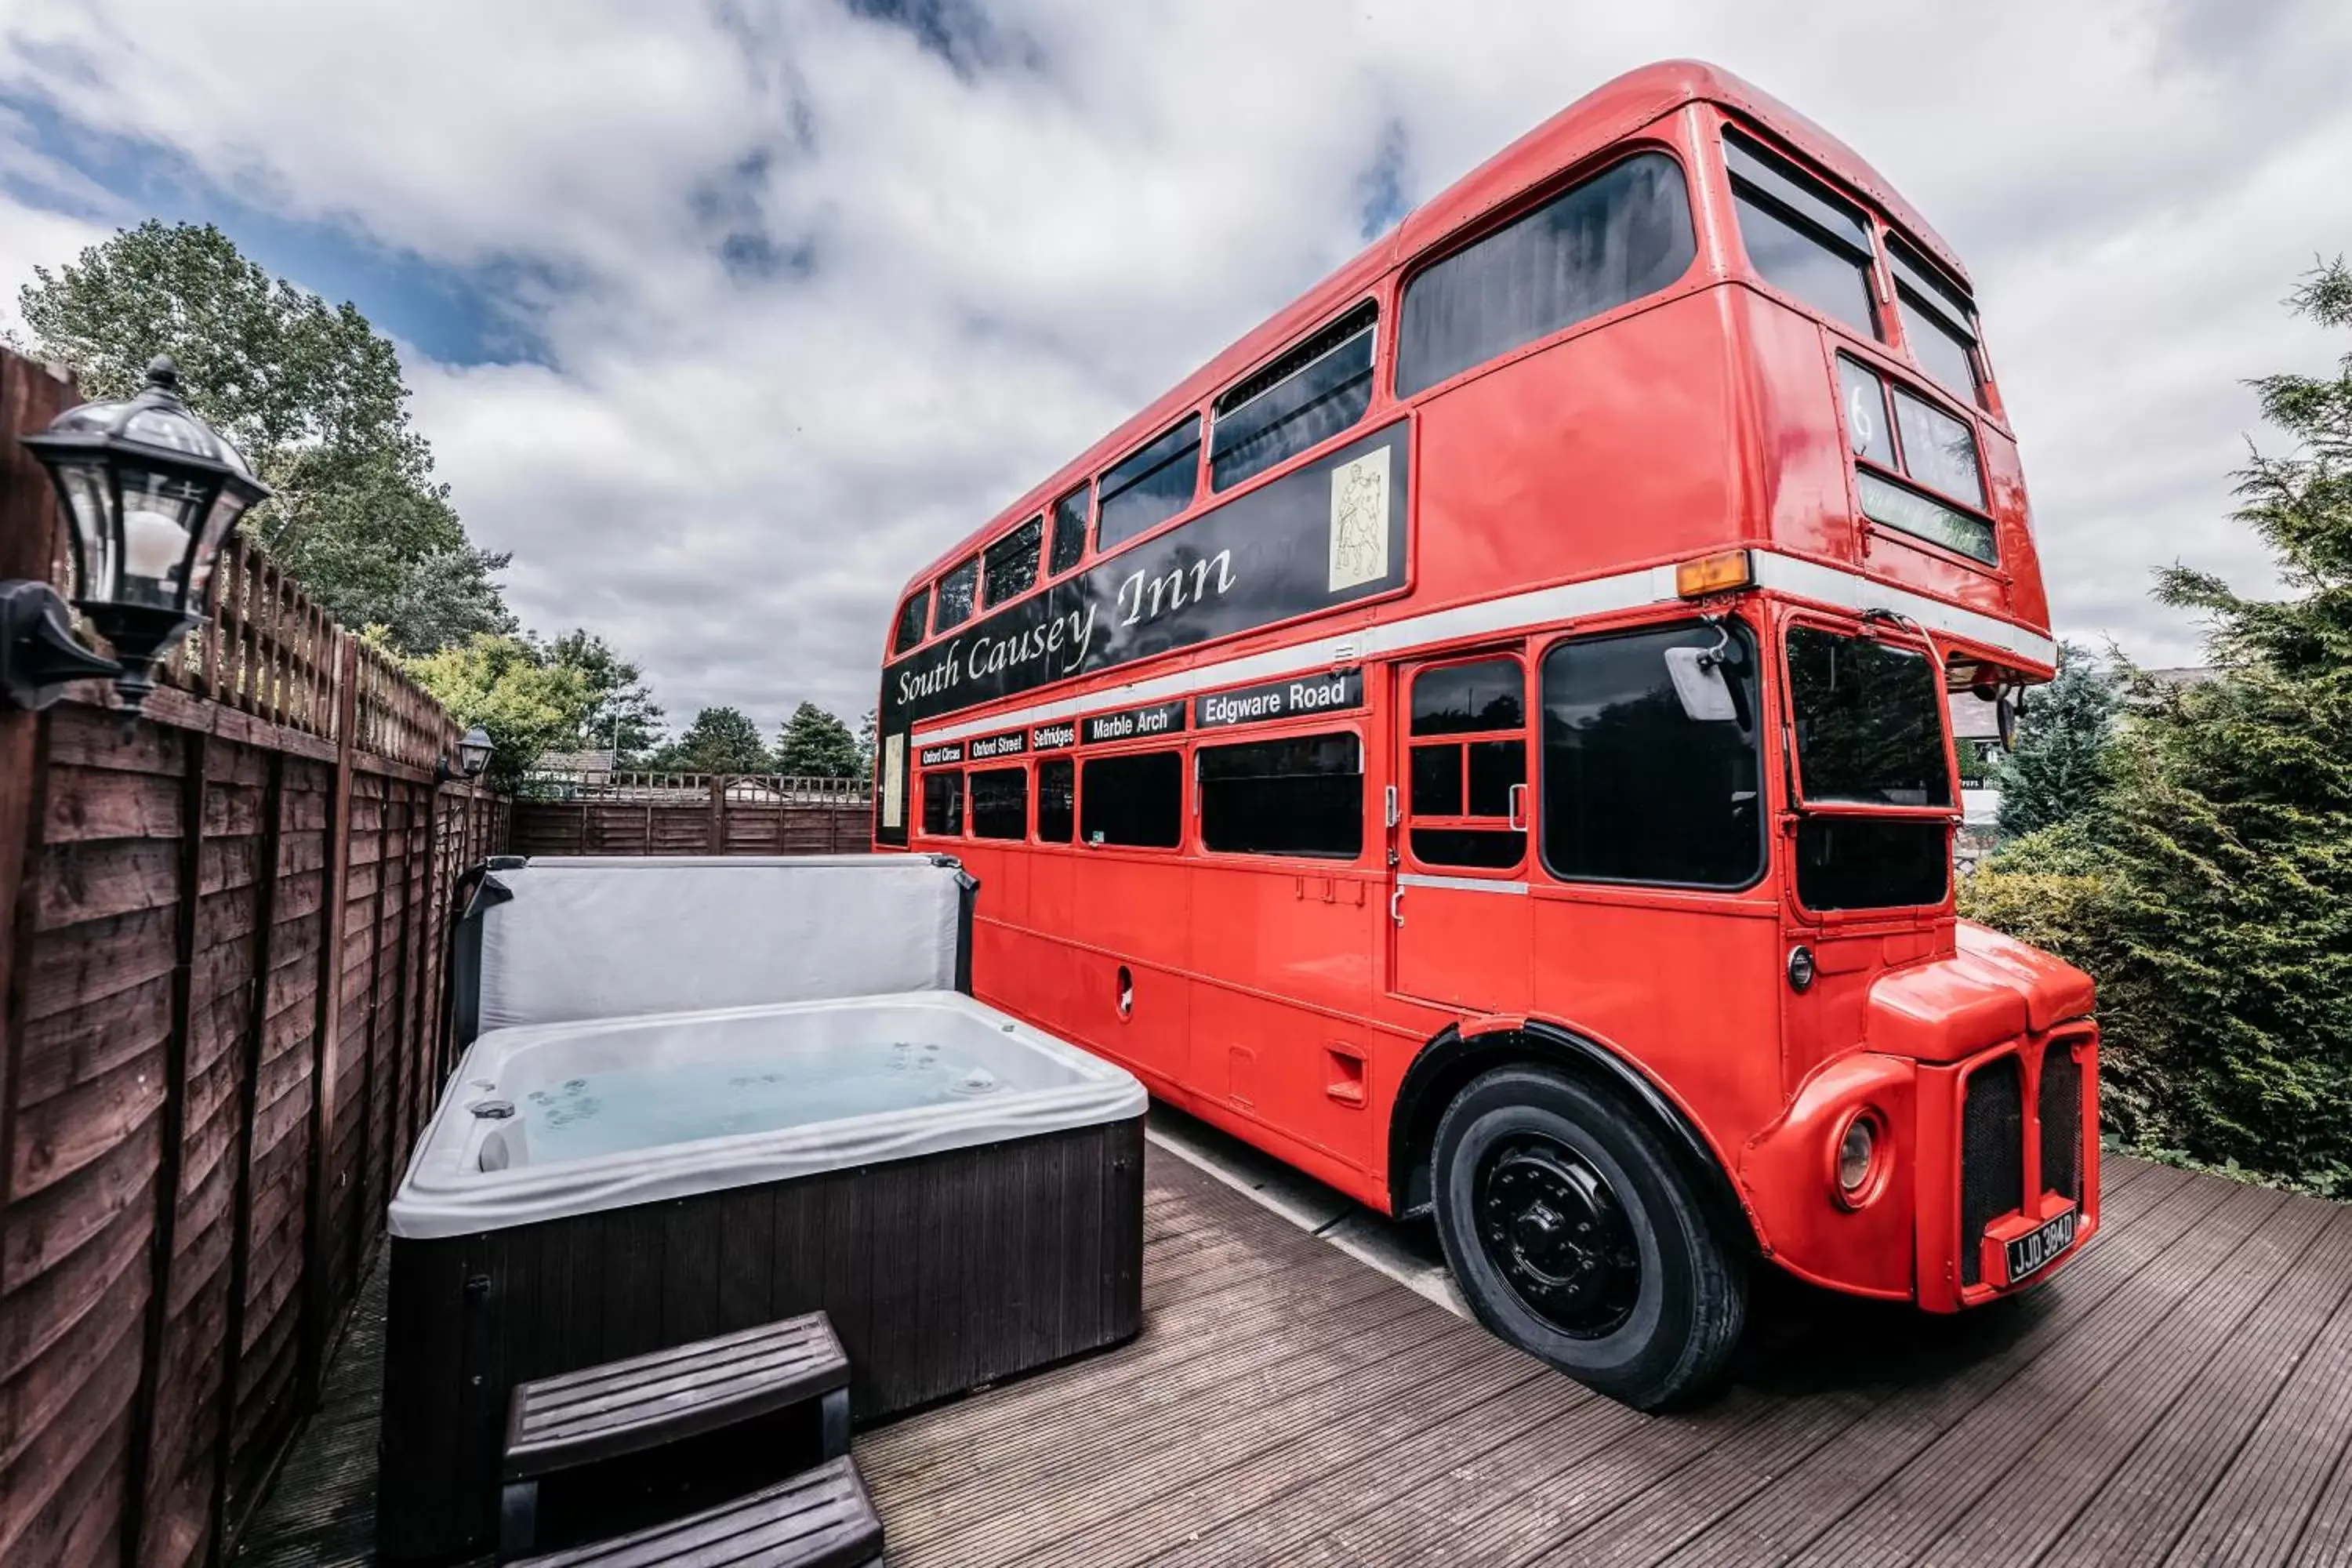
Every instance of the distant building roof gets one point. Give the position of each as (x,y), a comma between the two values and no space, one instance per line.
(576,763)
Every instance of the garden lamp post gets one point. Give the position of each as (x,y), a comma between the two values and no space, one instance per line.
(150,492)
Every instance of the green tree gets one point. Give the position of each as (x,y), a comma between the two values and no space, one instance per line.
(313,397)
(622,713)
(528,704)
(2210,889)
(816,746)
(720,741)
(2059,766)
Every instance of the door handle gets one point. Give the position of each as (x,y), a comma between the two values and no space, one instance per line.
(1518,808)
(1396,906)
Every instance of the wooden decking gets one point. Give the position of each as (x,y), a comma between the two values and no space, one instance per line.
(2182,1393)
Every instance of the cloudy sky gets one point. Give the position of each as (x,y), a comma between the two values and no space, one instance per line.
(724,317)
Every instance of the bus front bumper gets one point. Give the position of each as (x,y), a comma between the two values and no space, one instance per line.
(1986,1179)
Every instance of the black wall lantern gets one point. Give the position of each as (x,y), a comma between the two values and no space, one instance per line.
(473,756)
(151,492)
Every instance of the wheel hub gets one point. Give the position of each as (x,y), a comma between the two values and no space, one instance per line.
(1556,1230)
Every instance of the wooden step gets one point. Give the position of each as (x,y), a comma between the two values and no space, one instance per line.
(819,1519)
(623,1407)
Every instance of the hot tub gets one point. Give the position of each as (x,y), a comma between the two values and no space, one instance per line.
(961,1193)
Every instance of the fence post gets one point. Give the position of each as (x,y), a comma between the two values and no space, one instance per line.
(318,1304)
(163,1234)
(715,834)
(249,1101)
(29,398)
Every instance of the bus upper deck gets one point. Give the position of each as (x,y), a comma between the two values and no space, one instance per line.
(1676,318)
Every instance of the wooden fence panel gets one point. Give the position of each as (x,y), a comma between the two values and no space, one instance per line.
(694,815)
(223,1030)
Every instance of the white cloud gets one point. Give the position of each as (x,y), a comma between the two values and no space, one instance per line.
(974,268)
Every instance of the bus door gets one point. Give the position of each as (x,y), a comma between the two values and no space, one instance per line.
(1459,927)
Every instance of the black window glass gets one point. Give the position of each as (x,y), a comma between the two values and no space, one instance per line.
(1000,803)
(1491,850)
(1151,487)
(1012,563)
(1924,517)
(1872,862)
(1437,780)
(1870,721)
(1939,322)
(911,615)
(1938,450)
(956,591)
(1303,399)
(1462,699)
(1863,395)
(1776,180)
(1619,235)
(1635,788)
(1495,767)
(1069,533)
(1941,352)
(943,805)
(1057,797)
(1795,261)
(1468,778)
(1137,799)
(1299,796)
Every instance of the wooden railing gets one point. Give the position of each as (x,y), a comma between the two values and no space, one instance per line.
(223,1032)
(627,812)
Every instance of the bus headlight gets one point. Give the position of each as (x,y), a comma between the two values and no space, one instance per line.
(1857,1160)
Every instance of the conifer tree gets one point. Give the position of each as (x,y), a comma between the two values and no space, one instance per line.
(2210,889)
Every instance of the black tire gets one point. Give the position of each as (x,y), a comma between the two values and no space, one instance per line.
(1576,1237)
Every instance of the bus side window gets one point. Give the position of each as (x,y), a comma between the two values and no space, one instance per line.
(1069,546)
(912,615)
(1301,796)
(1000,803)
(957,590)
(1460,789)
(943,805)
(1137,799)
(1057,799)
(1009,566)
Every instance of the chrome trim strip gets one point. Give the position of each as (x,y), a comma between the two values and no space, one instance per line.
(1459,884)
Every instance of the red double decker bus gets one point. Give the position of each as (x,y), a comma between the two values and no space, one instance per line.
(1482,739)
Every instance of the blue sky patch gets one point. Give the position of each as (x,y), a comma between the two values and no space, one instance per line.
(456,315)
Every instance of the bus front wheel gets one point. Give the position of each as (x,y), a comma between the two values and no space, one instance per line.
(1575,1237)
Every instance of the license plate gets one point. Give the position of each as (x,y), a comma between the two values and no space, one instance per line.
(2029,1255)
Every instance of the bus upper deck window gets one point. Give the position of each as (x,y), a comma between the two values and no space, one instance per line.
(911,617)
(1309,395)
(1147,489)
(1801,238)
(957,590)
(1069,545)
(1939,322)
(1624,233)
(1009,565)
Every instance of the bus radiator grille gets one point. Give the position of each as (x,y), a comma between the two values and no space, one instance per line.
(2062,1121)
(1993,1156)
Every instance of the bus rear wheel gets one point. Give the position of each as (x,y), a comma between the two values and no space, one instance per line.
(1574,1236)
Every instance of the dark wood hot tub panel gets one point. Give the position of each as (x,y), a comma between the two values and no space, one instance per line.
(939,1274)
